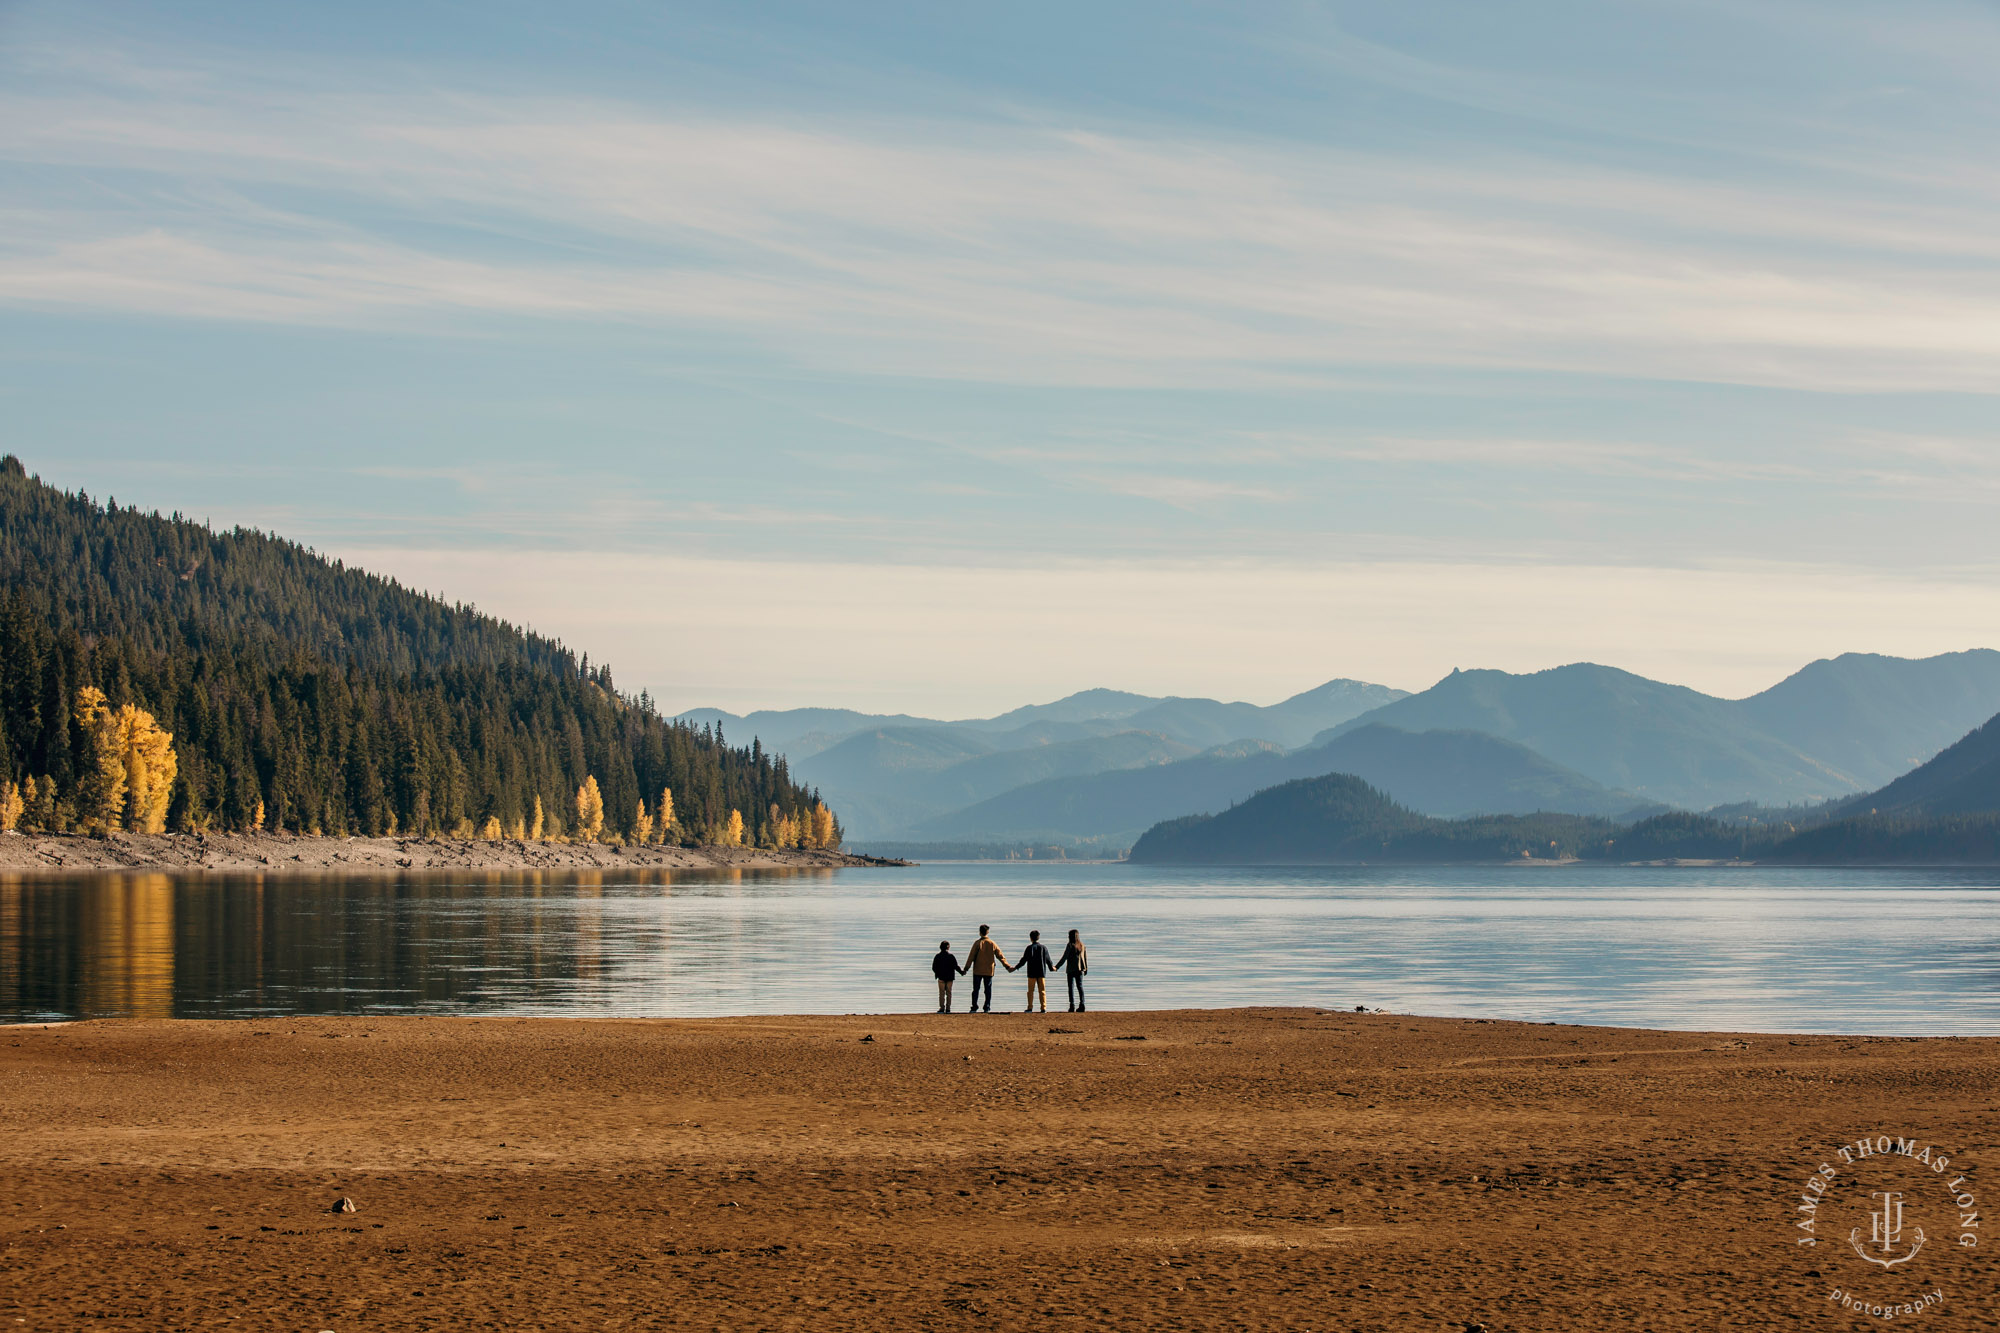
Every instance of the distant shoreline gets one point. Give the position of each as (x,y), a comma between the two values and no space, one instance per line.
(286,853)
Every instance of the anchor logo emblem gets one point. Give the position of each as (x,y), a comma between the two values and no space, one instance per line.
(1885,1231)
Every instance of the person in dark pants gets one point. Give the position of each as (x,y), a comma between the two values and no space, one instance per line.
(945,968)
(980,959)
(1035,958)
(1074,963)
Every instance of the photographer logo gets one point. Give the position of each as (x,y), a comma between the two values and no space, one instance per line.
(1883,1218)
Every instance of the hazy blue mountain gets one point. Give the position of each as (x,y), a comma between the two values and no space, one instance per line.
(1339,819)
(1963,780)
(1667,743)
(878,767)
(1083,706)
(1874,717)
(783,729)
(1440,772)
(1454,773)
(798,732)
(1206,722)
(890,778)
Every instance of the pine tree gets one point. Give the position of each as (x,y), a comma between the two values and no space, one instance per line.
(297,694)
(589,810)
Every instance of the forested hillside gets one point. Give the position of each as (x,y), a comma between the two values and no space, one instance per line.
(304,696)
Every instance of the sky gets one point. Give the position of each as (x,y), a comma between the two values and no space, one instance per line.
(946,358)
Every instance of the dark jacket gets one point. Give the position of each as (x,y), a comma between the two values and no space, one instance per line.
(1036,959)
(945,966)
(1074,961)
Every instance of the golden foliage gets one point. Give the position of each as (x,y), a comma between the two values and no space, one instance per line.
(822,825)
(665,813)
(100,786)
(642,825)
(491,830)
(147,756)
(535,828)
(589,810)
(732,834)
(11,805)
(128,774)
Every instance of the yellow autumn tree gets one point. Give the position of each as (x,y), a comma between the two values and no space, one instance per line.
(732,832)
(822,825)
(146,755)
(589,810)
(666,813)
(642,825)
(491,831)
(100,786)
(535,827)
(12,803)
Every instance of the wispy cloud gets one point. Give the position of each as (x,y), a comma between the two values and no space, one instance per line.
(1012,252)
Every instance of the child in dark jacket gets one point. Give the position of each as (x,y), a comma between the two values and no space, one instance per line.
(945,967)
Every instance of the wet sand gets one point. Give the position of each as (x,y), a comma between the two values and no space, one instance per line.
(235,853)
(1241,1169)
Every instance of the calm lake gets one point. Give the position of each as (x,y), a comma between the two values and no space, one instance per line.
(1881,951)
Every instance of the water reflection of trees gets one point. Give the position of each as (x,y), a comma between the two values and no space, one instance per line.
(154,945)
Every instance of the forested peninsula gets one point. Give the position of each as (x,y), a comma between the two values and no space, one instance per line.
(159,676)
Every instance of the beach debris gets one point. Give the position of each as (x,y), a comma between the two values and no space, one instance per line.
(1067,1032)
(1360,1008)
(1128,1039)
(869,1037)
(344,1205)
(966,1058)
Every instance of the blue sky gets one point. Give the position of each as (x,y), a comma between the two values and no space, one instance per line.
(947,357)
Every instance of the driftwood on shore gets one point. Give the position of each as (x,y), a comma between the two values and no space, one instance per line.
(293,854)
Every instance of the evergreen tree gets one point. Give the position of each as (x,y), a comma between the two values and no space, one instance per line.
(294,693)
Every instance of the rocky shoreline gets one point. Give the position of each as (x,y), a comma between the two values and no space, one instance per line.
(285,853)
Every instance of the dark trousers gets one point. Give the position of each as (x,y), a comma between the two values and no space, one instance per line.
(977,982)
(1075,988)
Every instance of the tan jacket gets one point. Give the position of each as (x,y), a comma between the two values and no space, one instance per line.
(981,956)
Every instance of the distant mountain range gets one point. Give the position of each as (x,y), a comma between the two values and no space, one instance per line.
(1435,772)
(1836,727)
(1098,767)
(890,772)
(1945,811)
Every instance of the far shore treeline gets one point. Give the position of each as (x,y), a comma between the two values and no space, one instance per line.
(156,674)
(1339,819)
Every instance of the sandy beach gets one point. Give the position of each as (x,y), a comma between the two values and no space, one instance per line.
(263,853)
(1249,1169)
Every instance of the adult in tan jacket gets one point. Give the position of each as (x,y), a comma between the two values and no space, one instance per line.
(979,960)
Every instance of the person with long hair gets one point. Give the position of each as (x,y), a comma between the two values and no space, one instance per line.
(1073,964)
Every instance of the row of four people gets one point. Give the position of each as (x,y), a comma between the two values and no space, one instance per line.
(1035,961)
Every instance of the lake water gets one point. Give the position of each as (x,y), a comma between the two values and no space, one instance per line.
(1882,951)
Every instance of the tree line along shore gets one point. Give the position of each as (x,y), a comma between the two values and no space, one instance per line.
(158,676)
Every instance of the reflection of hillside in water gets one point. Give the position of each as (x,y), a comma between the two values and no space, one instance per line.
(155,946)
